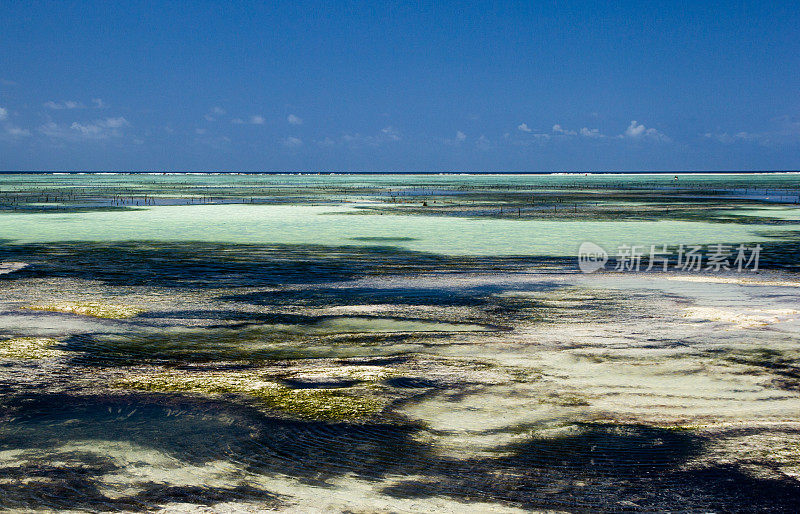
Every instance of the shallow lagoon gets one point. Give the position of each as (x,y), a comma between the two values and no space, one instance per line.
(337,226)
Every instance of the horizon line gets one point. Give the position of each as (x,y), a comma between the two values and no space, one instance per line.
(327,172)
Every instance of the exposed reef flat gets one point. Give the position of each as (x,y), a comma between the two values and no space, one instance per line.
(95,309)
(593,382)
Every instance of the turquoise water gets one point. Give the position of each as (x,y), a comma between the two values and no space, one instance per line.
(328,225)
(771,212)
(325,210)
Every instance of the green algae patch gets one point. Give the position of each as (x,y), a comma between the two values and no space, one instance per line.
(94,309)
(566,400)
(28,348)
(345,325)
(321,404)
(363,373)
(379,239)
(330,404)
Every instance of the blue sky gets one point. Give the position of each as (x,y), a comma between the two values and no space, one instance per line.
(390,86)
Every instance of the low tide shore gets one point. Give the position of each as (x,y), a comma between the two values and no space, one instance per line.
(461,391)
(391,347)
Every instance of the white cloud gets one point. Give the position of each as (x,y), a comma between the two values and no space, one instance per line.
(593,133)
(637,131)
(99,103)
(558,129)
(356,140)
(255,119)
(294,120)
(292,142)
(98,129)
(69,104)
(483,143)
(747,136)
(558,133)
(115,122)
(459,138)
(88,130)
(326,143)
(13,131)
(200,131)
(391,133)
(214,113)
(9,130)
(51,129)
